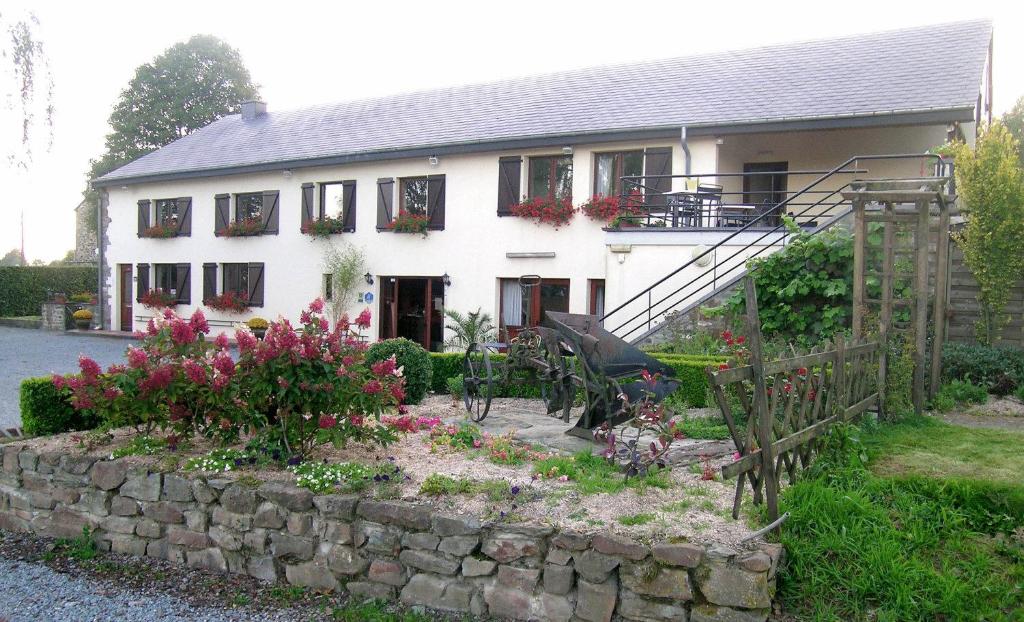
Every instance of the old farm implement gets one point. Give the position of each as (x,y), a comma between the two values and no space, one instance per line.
(567,354)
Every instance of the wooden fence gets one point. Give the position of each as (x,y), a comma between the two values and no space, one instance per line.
(788,405)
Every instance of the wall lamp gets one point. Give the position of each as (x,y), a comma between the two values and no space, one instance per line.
(432,160)
(369,278)
(567,150)
(447,280)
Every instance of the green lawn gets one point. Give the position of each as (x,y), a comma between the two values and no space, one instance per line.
(932,529)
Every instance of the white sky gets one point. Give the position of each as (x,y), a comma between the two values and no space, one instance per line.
(303,53)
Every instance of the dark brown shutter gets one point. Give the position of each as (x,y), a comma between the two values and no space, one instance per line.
(307,202)
(222,216)
(269,211)
(142,281)
(143,217)
(185,216)
(435,202)
(183,272)
(385,201)
(658,161)
(256,284)
(209,281)
(509,172)
(348,210)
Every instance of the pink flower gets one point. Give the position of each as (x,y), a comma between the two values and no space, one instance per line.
(727,335)
(384,368)
(195,372)
(59,382)
(182,333)
(282,382)
(398,392)
(356,420)
(363,320)
(741,340)
(198,322)
(223,363)
(324,324)
(327,421)
(477,443)
(246,340)
(735,456)
(403,409)
(221,341)
(372,387)
(563,478)
(317,306)
(305,317)
(116,368)
(723,366)
(111,393)
(90,368)
(219,382)
(343,323)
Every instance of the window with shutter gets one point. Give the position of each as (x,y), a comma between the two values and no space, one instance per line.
(509,175)
(209,281)
(551,177)
(143,217)
(385,202)
(165,277)
(348,211)
(222,214)
(610,168)
(307,203)
(435,202)
(269,213)
(657,161)
(256,284)
(184,216)
(142,281)
(236,279)
(413,196)
(183,285)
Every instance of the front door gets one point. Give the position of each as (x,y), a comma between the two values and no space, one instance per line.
(413,307)
(126,296)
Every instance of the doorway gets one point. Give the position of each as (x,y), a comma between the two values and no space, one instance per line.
(766,187)
(125,292)
(413,307)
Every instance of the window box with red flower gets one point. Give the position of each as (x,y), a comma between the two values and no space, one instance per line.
(168,229)
(228,302)
(324,227)
(242,228)
(546,210)
(158,299)
(407,222)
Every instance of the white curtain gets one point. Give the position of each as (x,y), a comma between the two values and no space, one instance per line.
(511,302)
(605,171)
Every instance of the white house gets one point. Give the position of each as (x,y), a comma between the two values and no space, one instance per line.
(756,127)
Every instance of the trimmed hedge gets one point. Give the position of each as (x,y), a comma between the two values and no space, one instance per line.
(689,371)
(414,361)
(1000,369)
(45,410)
(23,288)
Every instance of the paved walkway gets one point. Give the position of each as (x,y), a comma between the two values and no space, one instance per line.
(25,352)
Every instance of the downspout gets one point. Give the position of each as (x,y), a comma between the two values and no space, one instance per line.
(686,149)
(99,249)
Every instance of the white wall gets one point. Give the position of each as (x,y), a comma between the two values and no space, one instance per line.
(472,247)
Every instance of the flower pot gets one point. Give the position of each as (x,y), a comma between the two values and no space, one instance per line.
(259,333)
(83,324)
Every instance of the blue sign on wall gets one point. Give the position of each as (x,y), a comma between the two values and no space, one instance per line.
(368,297)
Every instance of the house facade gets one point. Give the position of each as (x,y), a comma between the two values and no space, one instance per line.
(461,158)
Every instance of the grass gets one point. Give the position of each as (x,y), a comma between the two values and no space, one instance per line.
(593,475)
(81,548)
(377,611)
(930,530)
(635,519)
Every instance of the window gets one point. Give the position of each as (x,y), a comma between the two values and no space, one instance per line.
(332,199)
(166,277)
(596,306)
(609,168)
(236,279)
(328,287)
(248,205)
(167,212)
(524,305)
(413,196)
(551,177)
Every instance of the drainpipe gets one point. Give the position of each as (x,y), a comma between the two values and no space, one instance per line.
(99,249)
(686,149)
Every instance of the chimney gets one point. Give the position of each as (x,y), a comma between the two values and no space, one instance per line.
(253,109)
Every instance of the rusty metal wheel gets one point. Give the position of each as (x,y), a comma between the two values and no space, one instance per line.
(477,381)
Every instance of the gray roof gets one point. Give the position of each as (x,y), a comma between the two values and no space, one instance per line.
(934,70)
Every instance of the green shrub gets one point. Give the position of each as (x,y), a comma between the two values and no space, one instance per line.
(959,393)
(445,365)
(417,366)
(47,410)
(23,289)
(1000,369)
(455,386)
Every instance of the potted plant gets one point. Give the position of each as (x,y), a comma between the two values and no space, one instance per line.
(83,319)
(162,230)
(258,326)
(623,221)
(545,210)
(158,299)
(324,228)
(242,228)
(410,223)
(228,302)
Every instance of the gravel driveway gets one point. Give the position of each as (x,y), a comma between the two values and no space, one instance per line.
(28,352)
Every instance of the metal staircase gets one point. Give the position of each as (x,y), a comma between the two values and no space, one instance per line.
(816,207)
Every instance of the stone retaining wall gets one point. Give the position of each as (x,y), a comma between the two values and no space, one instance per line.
(381,549)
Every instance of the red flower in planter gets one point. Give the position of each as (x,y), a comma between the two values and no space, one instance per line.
(409,223)
(545,210)
(228,302)
(158,299)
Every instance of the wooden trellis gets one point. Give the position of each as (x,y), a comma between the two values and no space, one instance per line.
(897,224)
(788,404)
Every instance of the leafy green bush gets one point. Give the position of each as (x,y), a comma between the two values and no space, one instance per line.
(45,409)
(1000,369)
(23,289)
(455,386)
(416,363)
(959,393)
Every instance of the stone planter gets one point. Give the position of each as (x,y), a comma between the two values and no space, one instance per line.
(391,550)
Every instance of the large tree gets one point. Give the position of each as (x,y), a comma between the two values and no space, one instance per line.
(13,258)
(190,85)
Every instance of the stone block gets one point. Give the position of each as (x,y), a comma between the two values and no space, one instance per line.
(203,492)
(370,591)
(128,545)
(41,500)
(385,571)
(455,525)
(723,583)
(157,548)
(505,548)
(555,608)
(650,579)
(430,562)
(312,574)
(238,499)
(262,567)
(196,520)
(94,502)
(65,495)
(291,547)
(558,556)
(474,567)
(686,555)
(208,559)
(343,559)
(339,533)
(287,495)
(119,524)
(595,602)
(460,546)
(177,488)
(524,579)
(299,524)
(633,607)
(28,459)
(11,464)
(399,513)
(756,561)
(337,507)
(270,516)
(378,538)
(189,539)
(507,602)
(142,486)
(442,593)
(10,522)
(238,522)
(34,482)
(148,528)
(163,512)
(712,613)
(76,464)
(593,566)
(225,538)
(256,540)
(109,474)
(571,540)
(619,546)
(558,579)
(420,540)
